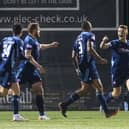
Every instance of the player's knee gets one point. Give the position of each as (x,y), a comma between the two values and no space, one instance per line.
(116,93)
(39,92)
(100,89)
(83,90)
(3,94)
(16,92)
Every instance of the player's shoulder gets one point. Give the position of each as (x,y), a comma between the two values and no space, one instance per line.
(87,33)
(8,39)
(17,39)
(28,39)
(115,41)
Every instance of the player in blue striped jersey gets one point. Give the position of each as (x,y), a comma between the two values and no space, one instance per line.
(84,58)
(119,61)
(11,56)
(31,71)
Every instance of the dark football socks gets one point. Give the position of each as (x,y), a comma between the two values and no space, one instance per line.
(102,100)
(71,99)
(40,104)
(109,97)
(15,102)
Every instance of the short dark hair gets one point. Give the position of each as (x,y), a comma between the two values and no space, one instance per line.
(32,26)
(17,29)
(124,27)
(86,25)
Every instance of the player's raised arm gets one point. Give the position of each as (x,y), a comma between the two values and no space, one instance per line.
(49,45)
(94,53)
(104,43)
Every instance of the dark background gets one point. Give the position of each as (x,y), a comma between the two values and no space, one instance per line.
(60,79)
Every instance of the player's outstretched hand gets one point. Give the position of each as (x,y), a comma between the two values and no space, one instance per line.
(55,44)
(41,69)
(103,61)
(105,38)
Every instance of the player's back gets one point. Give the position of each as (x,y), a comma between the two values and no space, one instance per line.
(80,47)
(7,54)
(10,53)
(20,48)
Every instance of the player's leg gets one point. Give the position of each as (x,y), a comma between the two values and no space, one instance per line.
(3,91)
(99,93)
(127,84)
(82,91)
(37,89)
(15,88)
(4,77)
(15,97)
(97,84)
(114,94)
(72,98)
(16,101)
(117,79)
(76,94)
(126,105)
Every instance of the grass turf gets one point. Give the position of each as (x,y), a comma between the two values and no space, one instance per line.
(75,120)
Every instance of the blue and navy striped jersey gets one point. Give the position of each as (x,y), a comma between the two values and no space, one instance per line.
(80,47)
(12,52)
(120,55)
(33,44)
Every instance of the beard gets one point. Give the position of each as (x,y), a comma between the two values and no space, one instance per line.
(37,34)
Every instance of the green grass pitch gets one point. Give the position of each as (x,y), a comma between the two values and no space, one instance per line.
(75,120)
